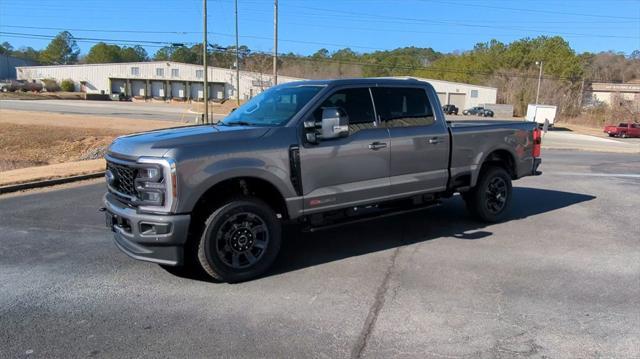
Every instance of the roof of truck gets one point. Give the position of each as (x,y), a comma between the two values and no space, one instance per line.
(357,81)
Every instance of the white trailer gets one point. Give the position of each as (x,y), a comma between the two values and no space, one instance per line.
(541,113)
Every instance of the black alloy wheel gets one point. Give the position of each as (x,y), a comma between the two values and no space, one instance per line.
(490,199)
(496,195)
(240,240)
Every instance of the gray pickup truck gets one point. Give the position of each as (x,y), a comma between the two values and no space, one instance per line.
(317,153)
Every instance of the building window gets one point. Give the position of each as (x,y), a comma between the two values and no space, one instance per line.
(199,74)
(160,72)
(135,71)
(175,72)
(474,93)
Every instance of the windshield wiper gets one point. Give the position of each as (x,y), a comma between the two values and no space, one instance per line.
(236,123)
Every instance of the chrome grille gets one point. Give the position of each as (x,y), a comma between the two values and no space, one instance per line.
(123,178)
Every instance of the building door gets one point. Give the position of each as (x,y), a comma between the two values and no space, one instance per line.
(458,100)
(157,89)
(139,88)
(118,86)
(178,90)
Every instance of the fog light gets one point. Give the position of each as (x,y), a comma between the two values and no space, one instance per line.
(155,197)
(154,228)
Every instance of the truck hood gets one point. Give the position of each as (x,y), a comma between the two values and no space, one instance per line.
(157,143)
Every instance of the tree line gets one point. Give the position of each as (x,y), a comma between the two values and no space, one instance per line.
(511,67)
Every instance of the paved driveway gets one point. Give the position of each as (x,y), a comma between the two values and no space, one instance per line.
(135,110)
(561,278)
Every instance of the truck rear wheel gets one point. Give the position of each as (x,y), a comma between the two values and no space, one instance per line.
(491,197)
(240,240)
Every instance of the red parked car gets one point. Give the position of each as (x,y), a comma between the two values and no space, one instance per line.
(623,130)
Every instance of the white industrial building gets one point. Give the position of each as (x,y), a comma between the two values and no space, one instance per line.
(156,79)
(175,80)
(461,95)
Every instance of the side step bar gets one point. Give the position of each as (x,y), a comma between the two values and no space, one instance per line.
(365,218)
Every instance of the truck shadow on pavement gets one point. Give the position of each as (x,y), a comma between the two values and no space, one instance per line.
(450,220)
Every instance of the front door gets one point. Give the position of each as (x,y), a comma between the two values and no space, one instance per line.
(419,143)
(345,171)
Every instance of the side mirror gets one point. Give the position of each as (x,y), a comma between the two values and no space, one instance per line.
(335,123)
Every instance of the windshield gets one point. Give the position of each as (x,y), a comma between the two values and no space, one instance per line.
(273,107)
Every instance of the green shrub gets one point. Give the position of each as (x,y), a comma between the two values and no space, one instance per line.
(67,86)
(50,85)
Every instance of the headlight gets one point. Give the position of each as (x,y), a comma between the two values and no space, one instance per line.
(155,184)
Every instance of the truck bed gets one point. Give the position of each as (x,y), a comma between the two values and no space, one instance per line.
(473,140)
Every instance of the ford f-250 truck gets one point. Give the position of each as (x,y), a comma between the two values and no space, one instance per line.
(320,153)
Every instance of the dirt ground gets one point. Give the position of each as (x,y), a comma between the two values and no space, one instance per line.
(216,107)
(35,139)
(581,128)
(41,95)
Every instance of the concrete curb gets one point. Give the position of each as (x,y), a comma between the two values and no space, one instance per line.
(604,150)
(47,183)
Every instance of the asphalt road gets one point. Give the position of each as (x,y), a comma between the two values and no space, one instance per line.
(133,110)
(560,279)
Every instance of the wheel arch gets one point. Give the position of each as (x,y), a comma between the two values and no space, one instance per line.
(501,157)
(250,186)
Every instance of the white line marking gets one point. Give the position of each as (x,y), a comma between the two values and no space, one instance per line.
(588,174)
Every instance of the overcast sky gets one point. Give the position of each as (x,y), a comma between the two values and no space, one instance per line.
(307,25)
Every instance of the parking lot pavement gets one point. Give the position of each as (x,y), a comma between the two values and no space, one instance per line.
(134,110)
(569,140)
(560,278)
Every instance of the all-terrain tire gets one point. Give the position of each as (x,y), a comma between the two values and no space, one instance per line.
(240,240)
(490,199)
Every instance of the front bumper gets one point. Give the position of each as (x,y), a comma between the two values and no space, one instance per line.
(148,237)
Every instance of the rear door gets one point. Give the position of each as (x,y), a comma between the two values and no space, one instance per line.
(350,170)
(419,142)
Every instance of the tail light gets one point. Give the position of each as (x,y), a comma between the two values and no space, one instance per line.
(537,142)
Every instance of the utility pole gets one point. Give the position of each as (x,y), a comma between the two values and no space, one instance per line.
(275,42)
(535,115)
(237,58)
(539,63)
(204,63)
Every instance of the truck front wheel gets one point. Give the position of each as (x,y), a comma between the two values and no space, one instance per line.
(491,197)
(240,240)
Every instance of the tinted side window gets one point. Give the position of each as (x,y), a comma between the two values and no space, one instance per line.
(403,107)
(355,102)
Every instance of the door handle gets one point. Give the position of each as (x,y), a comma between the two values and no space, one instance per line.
(434,140)
(377,145)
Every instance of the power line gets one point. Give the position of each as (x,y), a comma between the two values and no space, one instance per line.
(194,32)
(179,33)
(294,57)
(88,40)
(538,11)
(101,30)
(358,63)
(335,13)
